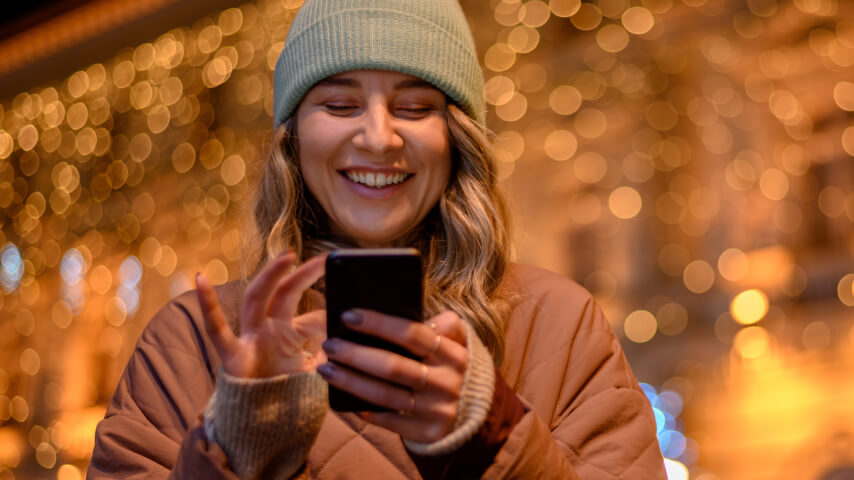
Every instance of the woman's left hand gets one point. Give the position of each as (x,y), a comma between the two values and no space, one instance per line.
(423,396)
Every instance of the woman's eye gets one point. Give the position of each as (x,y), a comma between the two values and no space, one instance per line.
(340,109)
(414,112)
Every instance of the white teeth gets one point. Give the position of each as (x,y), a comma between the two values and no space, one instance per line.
(378,180)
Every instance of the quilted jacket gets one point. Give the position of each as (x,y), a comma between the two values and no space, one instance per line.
(586,416)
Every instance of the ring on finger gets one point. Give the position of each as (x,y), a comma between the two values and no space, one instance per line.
(423,381)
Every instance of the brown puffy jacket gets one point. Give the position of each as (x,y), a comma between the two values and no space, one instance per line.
(587,418)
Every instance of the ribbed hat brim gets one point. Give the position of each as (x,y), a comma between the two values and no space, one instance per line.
(349,39)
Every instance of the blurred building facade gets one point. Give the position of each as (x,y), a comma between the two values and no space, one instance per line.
(689,161)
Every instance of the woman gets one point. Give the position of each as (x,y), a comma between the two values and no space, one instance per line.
(379,142)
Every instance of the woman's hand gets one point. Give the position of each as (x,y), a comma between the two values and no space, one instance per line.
(272,339)
(424,394)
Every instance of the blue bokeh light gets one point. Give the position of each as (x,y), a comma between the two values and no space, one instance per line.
(670,402)
(649,391)
(11,267)
(130,271)
(672,443)
(666,408)
(660,420)
(129,295)
(72,267)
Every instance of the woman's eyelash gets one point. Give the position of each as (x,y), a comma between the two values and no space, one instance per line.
(408,110)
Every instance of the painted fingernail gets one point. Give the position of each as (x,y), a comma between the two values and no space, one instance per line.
(330,345)
(326,371)
(351,318)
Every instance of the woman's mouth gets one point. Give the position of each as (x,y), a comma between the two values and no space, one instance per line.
(376,179)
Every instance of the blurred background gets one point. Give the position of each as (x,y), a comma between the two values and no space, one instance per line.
(691,162)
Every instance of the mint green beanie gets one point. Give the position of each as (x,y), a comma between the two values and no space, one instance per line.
(428,39)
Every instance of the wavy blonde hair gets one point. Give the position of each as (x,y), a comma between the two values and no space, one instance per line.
(464,239)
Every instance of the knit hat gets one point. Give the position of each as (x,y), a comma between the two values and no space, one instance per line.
(429,39)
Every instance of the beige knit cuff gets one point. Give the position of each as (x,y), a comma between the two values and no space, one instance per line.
(474,404)
(266,425)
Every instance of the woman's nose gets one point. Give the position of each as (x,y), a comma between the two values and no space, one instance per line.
(378,133)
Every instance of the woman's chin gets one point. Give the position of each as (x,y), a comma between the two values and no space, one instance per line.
(375,237)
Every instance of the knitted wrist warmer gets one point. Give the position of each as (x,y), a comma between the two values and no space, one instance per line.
(266,425)
(475,401)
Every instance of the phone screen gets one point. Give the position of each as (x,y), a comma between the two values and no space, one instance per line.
(385,280)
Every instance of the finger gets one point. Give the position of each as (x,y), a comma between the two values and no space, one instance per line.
(415,428)
(416,337)
(288,292)
(257,296)
(373,390)
(394,368)
(450,325)
(215,324)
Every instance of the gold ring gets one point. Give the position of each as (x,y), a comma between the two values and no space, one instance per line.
(435,346)
(423,382)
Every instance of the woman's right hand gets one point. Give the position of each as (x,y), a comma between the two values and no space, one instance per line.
(273,340)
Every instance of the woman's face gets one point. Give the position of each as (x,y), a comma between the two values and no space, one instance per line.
(375,153)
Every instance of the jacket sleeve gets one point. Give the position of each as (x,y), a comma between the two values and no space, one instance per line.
(153,427)
(586,417)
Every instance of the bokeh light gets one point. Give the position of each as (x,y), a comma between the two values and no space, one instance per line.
(640,326)
(675,470)
(11,267)
(751,342)
(733,264)
(698,276)
(625,202)
(845,290)
(749,306)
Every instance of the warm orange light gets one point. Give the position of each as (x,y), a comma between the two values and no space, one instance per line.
(640,326)
(751,343)
(68,472)
(698,276)
(749,306)
(845,290)
(625,202)
(733,264)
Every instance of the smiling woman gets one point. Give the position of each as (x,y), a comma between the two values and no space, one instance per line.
(380,142)
(374,151)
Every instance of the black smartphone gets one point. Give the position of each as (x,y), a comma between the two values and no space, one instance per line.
(387,280)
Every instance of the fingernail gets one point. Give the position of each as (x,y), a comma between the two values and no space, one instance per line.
(351,318)
(326,371)
(330,346)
